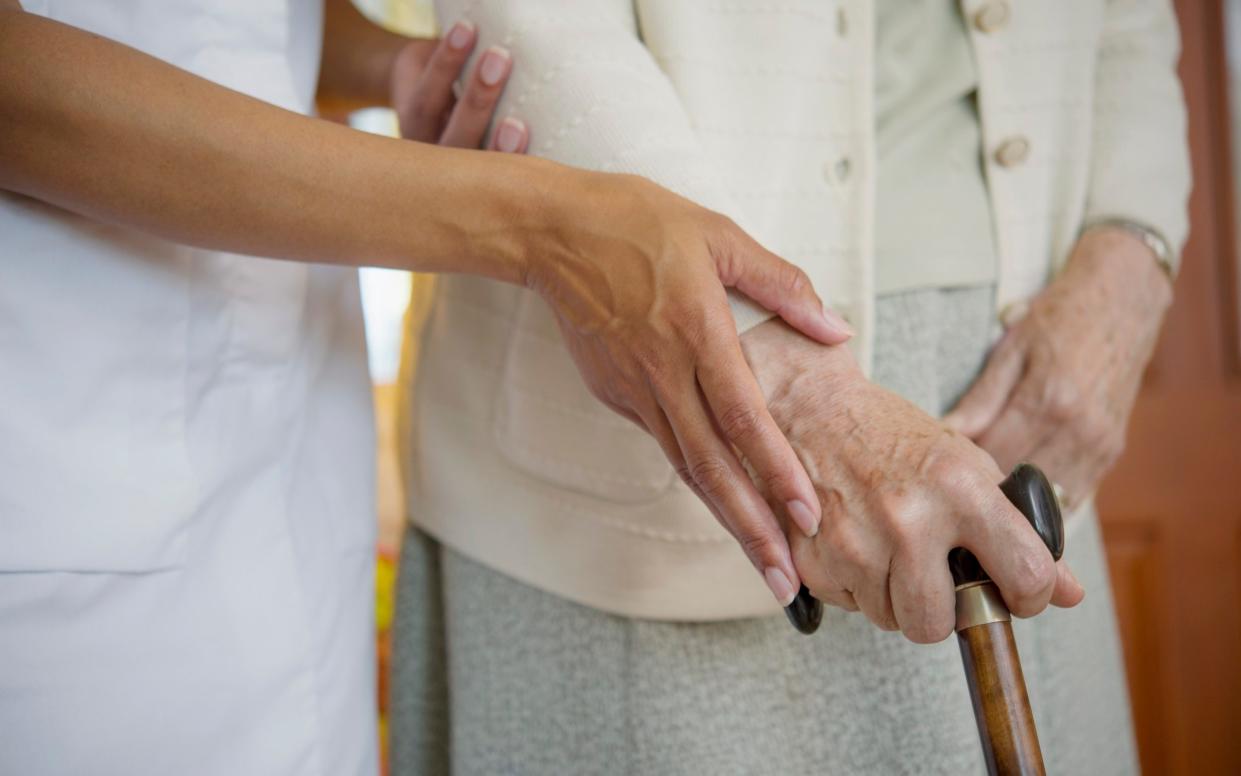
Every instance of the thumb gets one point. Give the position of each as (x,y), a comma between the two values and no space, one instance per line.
(781,287)
(982,403)
(1068,591)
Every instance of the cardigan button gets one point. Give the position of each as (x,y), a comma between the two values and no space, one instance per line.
(992,16)
(837,171)
(1012,151)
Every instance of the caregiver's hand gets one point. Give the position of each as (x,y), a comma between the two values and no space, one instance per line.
(637,283)
(364,65)
(421,84)
(899,490)
(1059,386)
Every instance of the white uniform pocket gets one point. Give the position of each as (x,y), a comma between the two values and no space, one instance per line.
(550,426)
(94,473)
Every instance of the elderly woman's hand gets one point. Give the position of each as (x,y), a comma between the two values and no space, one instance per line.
(1059,386)
(899,491)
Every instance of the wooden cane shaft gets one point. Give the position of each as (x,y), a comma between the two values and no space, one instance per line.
(1001,705)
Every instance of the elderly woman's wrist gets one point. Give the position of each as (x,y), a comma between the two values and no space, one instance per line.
(1125,268)
(787,364)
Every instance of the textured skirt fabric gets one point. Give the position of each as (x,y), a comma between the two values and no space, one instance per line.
(494,677)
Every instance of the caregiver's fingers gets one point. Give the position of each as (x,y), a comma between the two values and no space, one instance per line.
(511,136)
(741,414)
(467,126)
(711,469)
(775,284)
(922,596)
(986,398)
(423,112)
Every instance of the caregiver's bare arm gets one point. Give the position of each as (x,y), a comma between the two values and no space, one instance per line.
(635,273)
(109,132)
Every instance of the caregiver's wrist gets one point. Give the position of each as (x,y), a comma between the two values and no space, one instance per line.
(577,217)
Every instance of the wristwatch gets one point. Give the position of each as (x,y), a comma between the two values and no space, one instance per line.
(1151,238)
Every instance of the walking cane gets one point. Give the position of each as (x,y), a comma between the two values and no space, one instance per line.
(985,634)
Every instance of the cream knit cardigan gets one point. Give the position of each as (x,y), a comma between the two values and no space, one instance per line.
(760,109)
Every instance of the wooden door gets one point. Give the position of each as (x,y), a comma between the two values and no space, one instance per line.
(1171,511)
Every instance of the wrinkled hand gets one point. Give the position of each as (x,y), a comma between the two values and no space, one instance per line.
(899,491)
(1059,386)
(426,105)
(638,287)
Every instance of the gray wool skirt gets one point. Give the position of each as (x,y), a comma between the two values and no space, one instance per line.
(491,676)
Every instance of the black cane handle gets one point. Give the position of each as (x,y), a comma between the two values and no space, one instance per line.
(1028,490)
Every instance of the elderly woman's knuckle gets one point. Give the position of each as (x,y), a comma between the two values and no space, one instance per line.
(897,512)
(956,471)
(1033,576)
(848,552)
(1063,399)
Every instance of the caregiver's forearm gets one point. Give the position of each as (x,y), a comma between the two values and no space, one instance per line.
(108,132)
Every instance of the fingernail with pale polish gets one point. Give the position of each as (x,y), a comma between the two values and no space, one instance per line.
(460,35)
(494,65)
(780,586)
(509,135)
(834,321)
(804,517)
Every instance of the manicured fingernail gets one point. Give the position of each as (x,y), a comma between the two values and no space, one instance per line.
(834,321)
(494,65)
(804,517)
(460,35)
(509,135)
(780,586)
